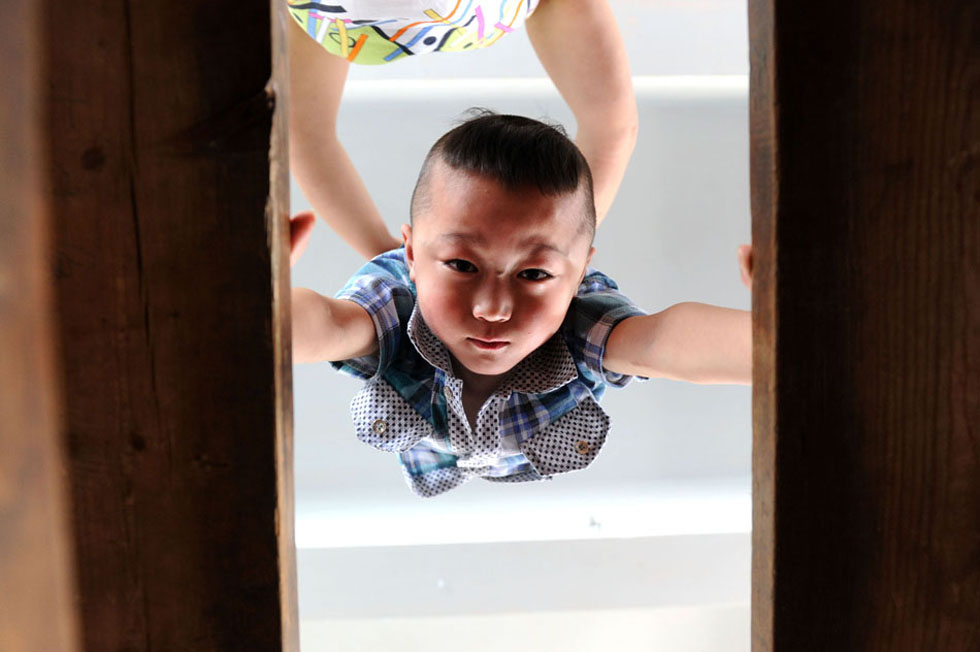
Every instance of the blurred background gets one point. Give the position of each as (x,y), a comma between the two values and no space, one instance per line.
(649,547)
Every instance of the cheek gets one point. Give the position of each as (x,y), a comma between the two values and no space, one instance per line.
(543,314)
(439,304)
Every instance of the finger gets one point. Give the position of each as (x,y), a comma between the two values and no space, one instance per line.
(300,229)
(745,264)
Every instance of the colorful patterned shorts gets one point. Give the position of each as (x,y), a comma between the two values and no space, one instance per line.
(454,26)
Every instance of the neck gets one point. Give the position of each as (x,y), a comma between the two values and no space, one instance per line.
(477,384)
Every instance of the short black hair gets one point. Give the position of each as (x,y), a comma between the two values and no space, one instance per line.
(517,153)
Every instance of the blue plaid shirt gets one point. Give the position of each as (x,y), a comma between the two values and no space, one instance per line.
(543,419)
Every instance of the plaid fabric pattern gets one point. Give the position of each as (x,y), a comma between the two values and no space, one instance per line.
(545,417)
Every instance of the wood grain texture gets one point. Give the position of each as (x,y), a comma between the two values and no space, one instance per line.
(277,225)
(168,260)
(36,582)
(764,182)
(869,466)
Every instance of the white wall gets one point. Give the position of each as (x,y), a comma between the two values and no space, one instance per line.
(670,491)
(663,37)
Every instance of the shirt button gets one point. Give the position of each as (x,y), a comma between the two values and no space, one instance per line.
(582,447)
(447,392)
(380,426)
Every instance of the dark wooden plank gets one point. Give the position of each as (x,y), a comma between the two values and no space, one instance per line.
(866,462)
(36,583)
(168,260)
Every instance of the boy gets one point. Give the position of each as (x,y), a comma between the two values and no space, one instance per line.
(487,341)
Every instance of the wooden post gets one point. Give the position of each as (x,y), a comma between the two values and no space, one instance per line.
(172,278)
(36,583)
(866,223)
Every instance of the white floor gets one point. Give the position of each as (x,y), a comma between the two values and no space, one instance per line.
(669,629)
(666,571)
(529,576)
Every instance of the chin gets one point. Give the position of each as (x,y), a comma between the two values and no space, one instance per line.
(487,367)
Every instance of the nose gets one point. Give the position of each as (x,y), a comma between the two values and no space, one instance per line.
(493,301)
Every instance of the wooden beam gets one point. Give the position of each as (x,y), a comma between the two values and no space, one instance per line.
(866,222)
(36,607)
(277,221)
(170,256)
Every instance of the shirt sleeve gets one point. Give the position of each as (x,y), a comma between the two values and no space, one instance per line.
(594,312)
(383,288)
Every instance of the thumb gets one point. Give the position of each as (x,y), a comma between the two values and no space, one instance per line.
(300,229)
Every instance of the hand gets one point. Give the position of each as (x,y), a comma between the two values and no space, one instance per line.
(745,263)
(300,229)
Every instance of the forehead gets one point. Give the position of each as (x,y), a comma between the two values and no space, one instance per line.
(465,206)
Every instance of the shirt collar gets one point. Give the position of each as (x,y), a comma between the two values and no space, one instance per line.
(549,367)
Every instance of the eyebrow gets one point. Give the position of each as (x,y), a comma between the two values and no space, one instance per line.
(475,239)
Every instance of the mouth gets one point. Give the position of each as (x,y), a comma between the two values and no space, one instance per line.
(487,345)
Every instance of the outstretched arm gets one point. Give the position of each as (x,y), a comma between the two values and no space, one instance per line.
(329,329)
(579,45)
(324,328)
(316,157)
(693,342)
(688,341)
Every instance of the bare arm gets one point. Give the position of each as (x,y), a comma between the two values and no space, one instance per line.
(579,45)
(329,329)
(316,157)
(693,342)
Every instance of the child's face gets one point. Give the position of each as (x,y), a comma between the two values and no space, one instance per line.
(495,270)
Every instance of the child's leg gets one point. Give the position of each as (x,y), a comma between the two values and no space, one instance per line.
(579,44)
(316,157)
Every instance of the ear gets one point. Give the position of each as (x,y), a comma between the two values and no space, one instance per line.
(588,259)
(409,250)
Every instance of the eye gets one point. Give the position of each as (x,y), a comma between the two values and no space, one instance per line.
(460,265)
(535,275)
